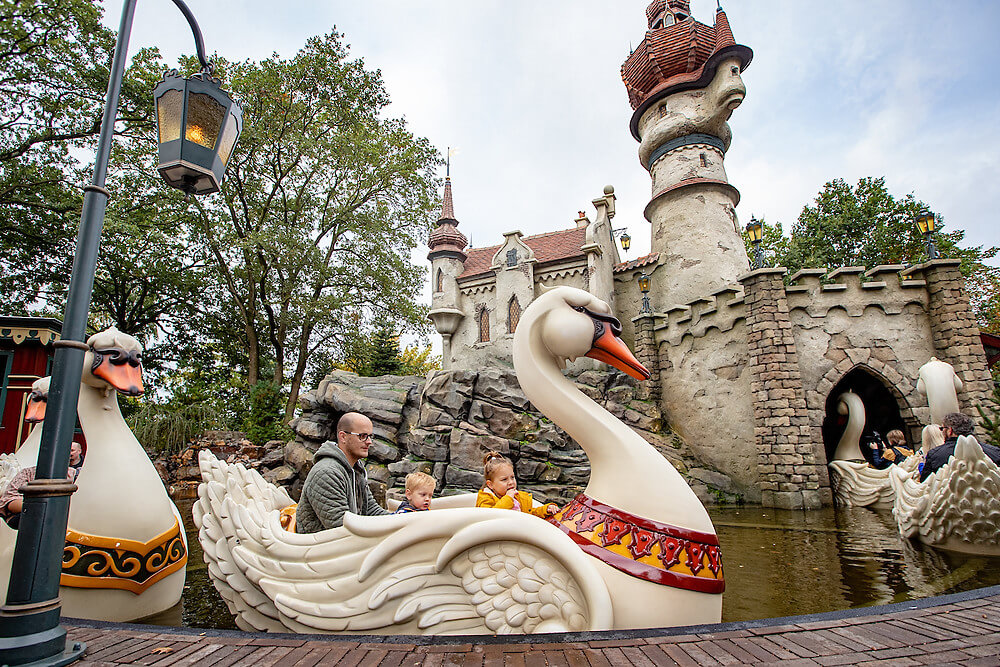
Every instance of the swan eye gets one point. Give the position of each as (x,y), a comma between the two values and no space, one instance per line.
(579,309)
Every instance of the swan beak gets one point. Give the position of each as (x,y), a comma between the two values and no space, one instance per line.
(35,411)
(126,376)
(610,349)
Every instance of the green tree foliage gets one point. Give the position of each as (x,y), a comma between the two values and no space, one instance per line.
(54,58)
(265,420)
(417,361)
(865,225)
(385,353)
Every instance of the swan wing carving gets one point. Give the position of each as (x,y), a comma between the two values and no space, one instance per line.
(448,571)
(957,507)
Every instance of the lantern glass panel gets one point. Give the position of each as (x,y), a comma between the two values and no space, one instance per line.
(644,283)
(228,139)
(168,114)
(204,120)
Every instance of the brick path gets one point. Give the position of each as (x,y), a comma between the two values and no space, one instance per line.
(962,629)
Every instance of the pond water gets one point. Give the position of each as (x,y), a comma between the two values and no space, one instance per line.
(777,563)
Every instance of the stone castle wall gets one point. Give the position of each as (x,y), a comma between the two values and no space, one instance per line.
(745,374)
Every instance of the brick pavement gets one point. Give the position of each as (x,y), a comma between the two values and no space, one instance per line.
(961,629)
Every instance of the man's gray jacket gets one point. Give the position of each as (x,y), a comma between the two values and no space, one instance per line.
(332,488)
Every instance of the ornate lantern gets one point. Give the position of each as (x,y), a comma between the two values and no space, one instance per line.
(755,230)
(198,124)
(927,223)
(644,288)
(626,241)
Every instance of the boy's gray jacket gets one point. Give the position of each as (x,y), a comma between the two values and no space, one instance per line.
(332,488)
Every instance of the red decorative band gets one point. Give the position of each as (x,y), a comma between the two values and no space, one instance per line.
(643,548)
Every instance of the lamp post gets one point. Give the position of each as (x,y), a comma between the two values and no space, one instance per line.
(644,288)
(927,223)
(755,230)
(29,621)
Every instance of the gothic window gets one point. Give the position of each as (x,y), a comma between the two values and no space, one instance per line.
(513,314)
(484,326)
(439,283)
(662,110)
(512,257)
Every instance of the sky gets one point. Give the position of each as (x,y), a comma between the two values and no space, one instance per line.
(529,92)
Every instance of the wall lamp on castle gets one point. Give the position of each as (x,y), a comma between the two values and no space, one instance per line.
(644,288)
(927,224)
(755,231)
(623,238)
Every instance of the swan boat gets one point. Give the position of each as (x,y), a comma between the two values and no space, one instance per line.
(957,507)
(856,483)
(126,549)
(636,549)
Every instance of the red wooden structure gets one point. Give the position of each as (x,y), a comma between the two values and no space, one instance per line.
(25,356)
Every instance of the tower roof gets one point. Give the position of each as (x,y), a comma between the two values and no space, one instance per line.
(677,53)
(446,237)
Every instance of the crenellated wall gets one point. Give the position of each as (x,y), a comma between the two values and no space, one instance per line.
(745,374)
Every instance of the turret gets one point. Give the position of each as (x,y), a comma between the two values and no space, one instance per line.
(683,81)
(447,256)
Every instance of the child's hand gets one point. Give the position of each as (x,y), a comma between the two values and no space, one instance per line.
(511,492)
(551,509)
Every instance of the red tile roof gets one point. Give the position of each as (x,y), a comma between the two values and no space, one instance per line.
(645,260)
(548,247)
(680,56)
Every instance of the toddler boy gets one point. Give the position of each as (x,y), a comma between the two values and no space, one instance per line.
(419,490)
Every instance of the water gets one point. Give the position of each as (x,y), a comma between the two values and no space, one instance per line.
(777,563)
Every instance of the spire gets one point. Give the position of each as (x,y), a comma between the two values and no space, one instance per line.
(446,240)
(723,33)
(447,206)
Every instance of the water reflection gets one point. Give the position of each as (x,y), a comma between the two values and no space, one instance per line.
(781,563)
(777,563)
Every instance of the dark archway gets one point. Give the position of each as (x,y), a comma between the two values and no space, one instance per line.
(882,410)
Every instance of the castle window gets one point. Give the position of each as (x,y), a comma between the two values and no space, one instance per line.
(484,326)
(512,257)
(662,110)
(439,282)
(704,160)
(513,314)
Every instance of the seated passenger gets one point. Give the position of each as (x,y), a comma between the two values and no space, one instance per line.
(953,425)
(893,453)
(500,489)
(419,491)
(12,502)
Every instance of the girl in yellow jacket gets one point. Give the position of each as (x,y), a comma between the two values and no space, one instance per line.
(500,490)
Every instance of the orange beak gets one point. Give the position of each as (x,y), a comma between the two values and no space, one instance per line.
(124,377)
(35,412)
(610,349)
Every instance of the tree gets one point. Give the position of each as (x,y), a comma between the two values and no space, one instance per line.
(385,352)
(867,226)
(324,200)
(54,60)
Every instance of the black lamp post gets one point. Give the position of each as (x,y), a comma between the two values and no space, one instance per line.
(29,621)
(755,230)
(926,223)
(644,288)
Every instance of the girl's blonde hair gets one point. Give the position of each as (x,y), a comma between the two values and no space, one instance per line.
(931,437)
(895,437)
(492,461)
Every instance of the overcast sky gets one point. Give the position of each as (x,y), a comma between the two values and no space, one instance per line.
(530,93)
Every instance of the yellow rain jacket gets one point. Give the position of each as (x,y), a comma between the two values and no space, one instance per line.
(487,498)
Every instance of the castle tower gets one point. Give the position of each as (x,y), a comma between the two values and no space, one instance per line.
(447,256)
(683,81)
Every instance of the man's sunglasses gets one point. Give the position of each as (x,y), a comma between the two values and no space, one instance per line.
(363,436)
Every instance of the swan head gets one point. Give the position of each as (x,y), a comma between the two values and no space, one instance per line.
(114,359)
(37,401)
(571,323)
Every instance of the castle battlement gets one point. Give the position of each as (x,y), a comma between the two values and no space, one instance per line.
(853,289)
(720,310)
(816,291)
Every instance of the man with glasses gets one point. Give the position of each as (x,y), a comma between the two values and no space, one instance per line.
(337,482)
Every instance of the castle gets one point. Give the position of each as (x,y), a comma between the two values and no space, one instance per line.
(746,369)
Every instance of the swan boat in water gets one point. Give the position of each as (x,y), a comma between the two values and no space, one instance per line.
(636,549)
(957,507)
(126,549)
